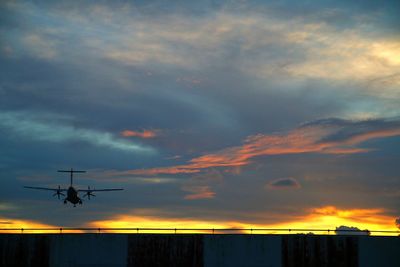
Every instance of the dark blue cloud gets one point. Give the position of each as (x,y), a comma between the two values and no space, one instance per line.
(284,183)
(349,230)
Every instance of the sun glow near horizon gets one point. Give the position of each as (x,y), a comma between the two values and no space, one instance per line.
(324,218)
(15,226)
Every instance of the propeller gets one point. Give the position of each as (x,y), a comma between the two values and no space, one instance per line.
(89,194)
(58,193)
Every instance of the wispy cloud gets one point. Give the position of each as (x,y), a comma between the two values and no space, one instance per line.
(54,128)
(141,134)
(198,192)
(267,46)
(7,206)
(41,46)
(125,177)
(329,136)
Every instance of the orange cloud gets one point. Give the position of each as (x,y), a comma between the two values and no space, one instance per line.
(322,218)
(338,150)
(372,135)
(142,134)
(198,192)
(320,137)
(238,156)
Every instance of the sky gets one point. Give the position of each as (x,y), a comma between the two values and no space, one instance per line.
(208,113)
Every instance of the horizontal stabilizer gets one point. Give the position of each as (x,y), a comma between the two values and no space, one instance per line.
(69,171)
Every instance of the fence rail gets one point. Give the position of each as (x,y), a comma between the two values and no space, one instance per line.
(199,230)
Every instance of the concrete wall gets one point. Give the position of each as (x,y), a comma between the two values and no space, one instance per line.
(67,250)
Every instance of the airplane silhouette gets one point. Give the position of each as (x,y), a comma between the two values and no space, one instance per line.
(72,192)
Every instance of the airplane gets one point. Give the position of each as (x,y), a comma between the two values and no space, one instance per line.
(72,192)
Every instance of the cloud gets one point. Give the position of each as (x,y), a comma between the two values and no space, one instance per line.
(200,186)
(7,206)
(328,136)
(327,50)
(271,47)
(198,192)
(118,176)
(142,134)
(350,132)
(284,183)
(349,230)
(264,44)
(151,180)
(372,216)
(40,46)
(59,129)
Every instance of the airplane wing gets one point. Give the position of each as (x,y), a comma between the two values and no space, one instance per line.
(99,190)
(46,188)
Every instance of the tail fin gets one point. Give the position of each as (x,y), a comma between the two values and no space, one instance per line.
(72,174)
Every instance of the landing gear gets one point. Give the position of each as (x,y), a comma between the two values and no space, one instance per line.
(80,202)
(65,201)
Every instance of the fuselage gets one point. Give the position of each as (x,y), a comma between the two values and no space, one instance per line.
(72,196)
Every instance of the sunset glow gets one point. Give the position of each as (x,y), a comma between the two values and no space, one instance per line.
(16,226)
(324,218)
